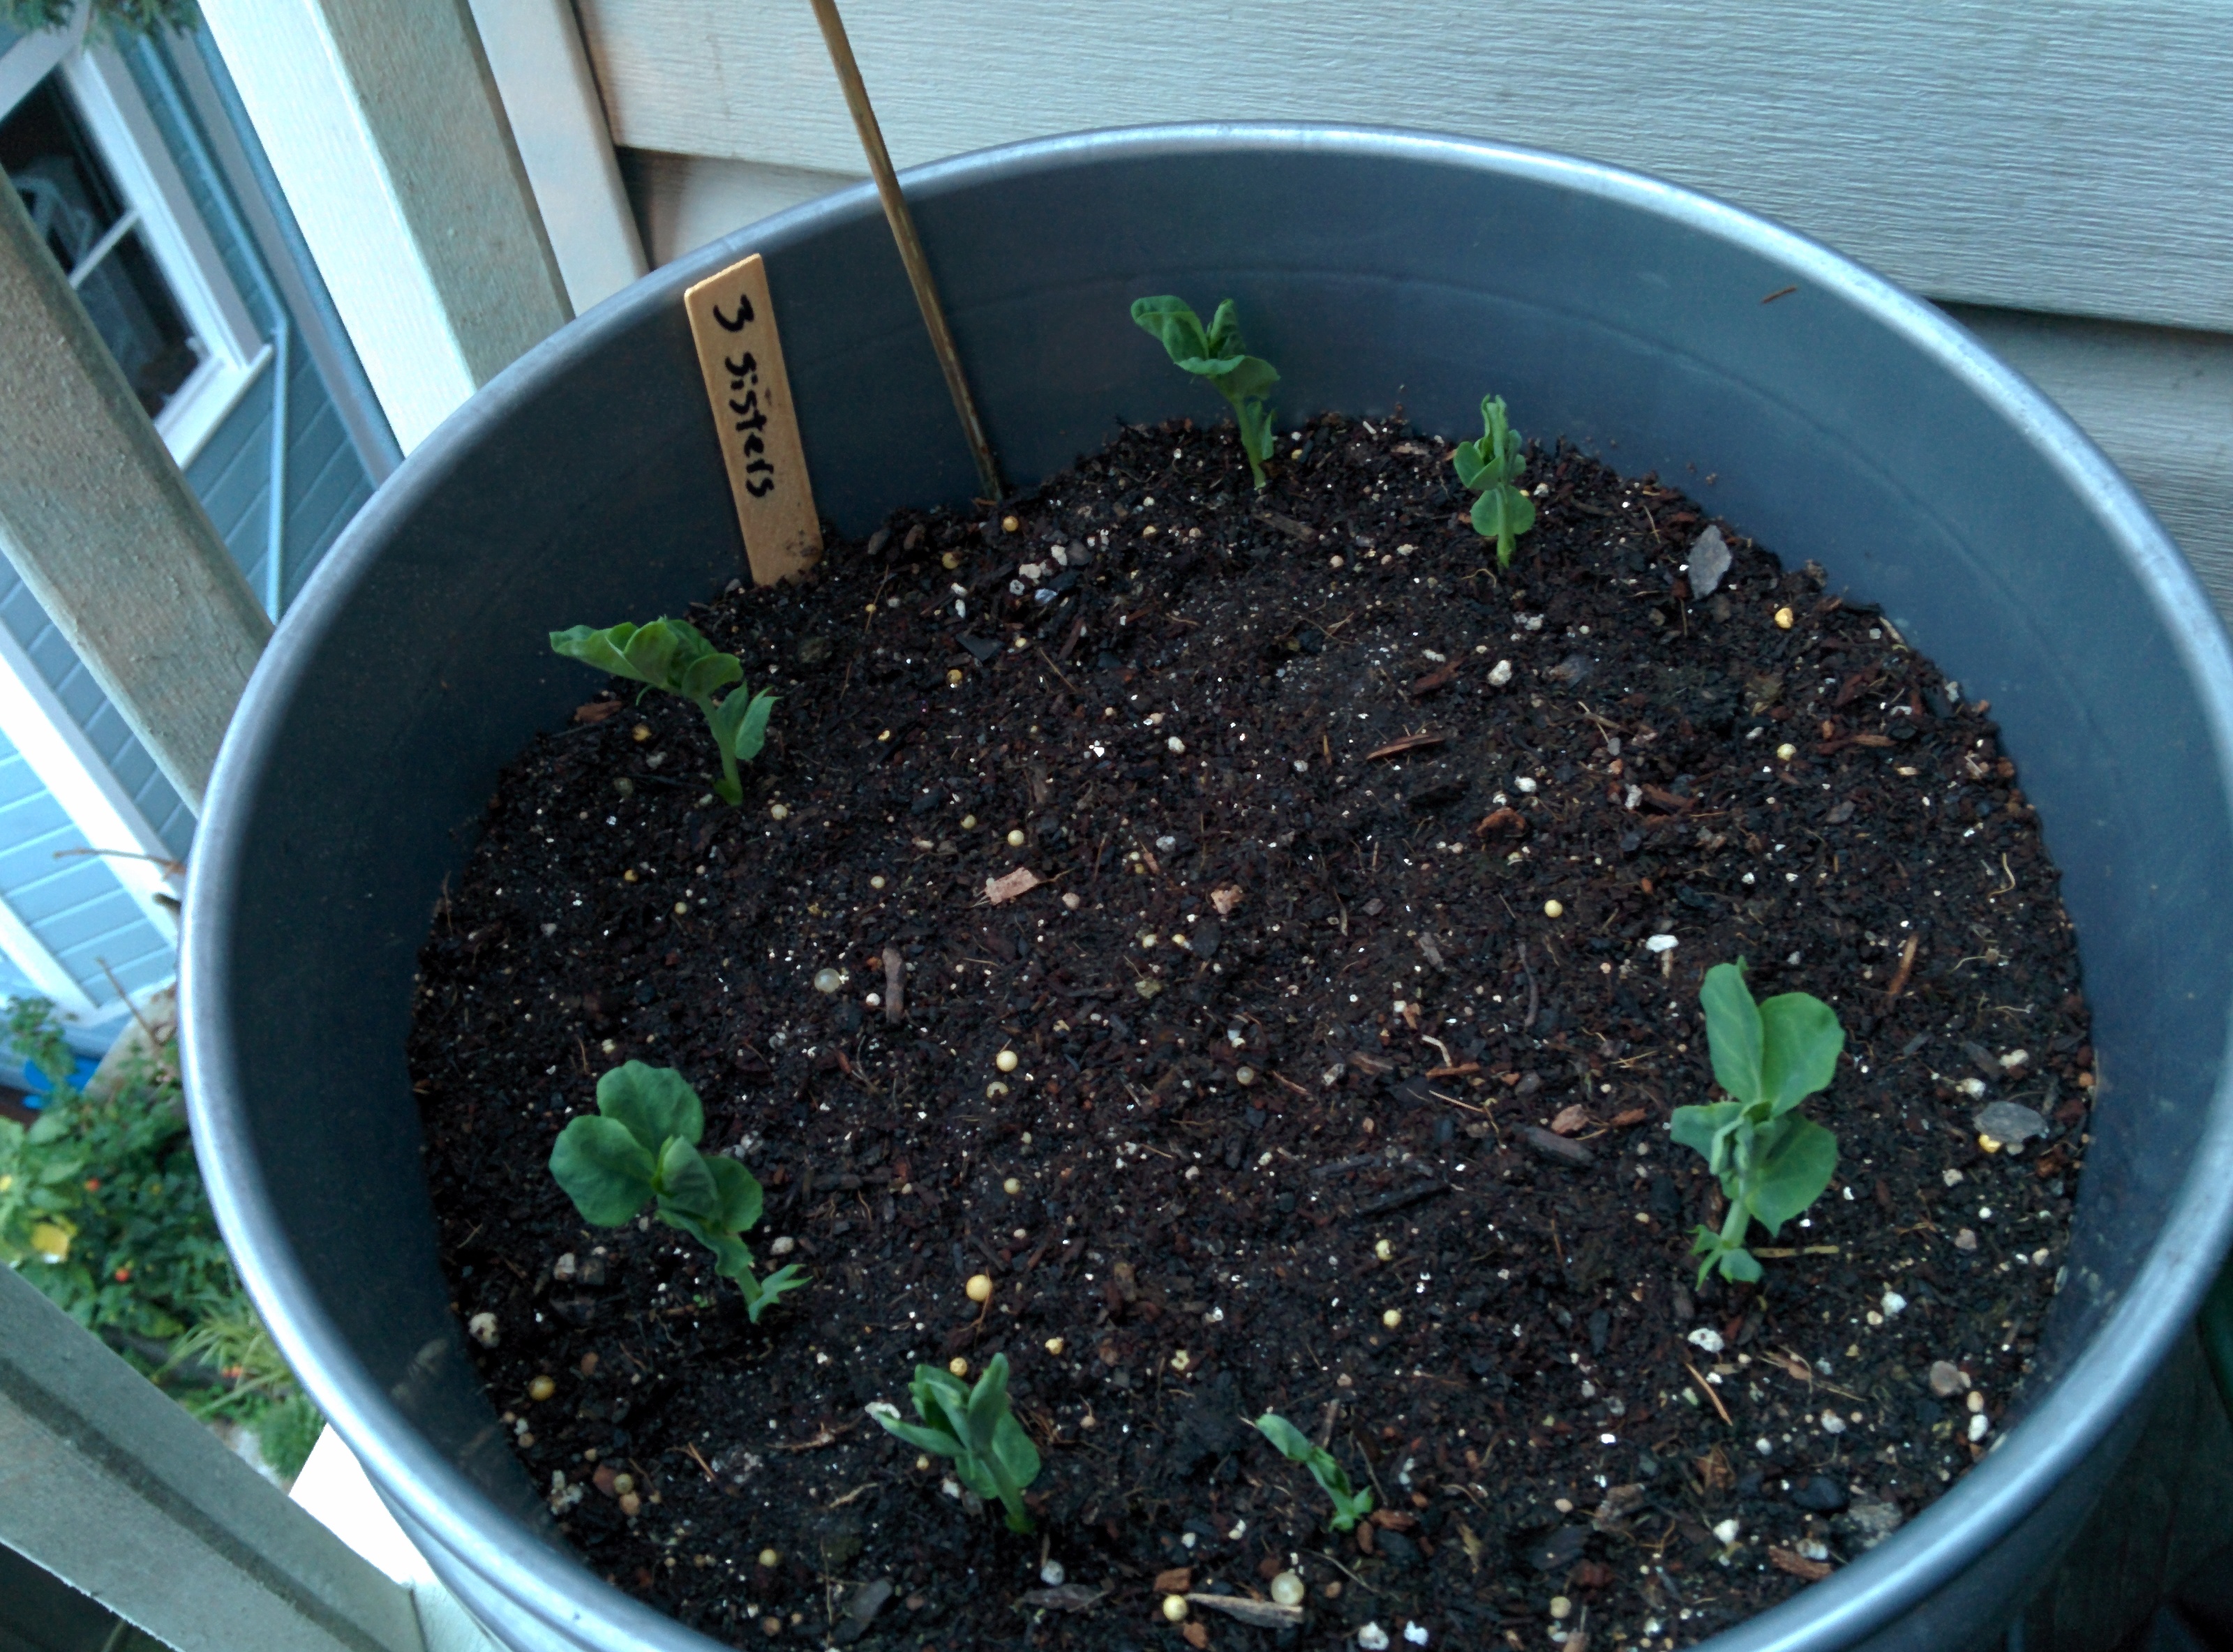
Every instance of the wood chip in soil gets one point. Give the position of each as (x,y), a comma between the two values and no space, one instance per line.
(1296,776)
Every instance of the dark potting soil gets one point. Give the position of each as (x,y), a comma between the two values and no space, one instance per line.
(1344,994)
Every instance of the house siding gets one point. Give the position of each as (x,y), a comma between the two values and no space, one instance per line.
(68,898)
(72,902)
(326,481)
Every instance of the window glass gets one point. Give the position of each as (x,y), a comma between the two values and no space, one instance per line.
(96,238)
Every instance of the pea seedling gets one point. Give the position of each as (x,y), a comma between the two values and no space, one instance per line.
(672,655)
(993,1455)
(1349,1507)
(641,1144)
(1773,1164)
(1217,354)
(1490,466)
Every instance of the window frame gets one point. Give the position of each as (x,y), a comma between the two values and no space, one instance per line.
(116,118)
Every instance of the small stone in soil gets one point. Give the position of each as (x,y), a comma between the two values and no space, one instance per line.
(1869,1523)
(1709,560)
(2009,1124)
(1947,1379)
(1557,1147)
(1559,1551)
(1819,1494)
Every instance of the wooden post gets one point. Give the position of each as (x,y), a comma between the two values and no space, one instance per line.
(383,126)
(108,1485)
(104,530)
(558,120)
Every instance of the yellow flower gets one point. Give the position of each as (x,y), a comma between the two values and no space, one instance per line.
(51,1240)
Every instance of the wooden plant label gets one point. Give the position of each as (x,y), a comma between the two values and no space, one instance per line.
(733,323)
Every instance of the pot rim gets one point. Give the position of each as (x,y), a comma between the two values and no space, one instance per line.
(2106,1376)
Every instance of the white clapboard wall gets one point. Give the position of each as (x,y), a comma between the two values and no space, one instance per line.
(2058,169)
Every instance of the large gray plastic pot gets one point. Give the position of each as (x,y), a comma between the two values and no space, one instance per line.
(1843,422)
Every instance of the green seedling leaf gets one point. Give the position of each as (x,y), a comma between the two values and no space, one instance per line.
(1733,1032)
(1013,1451)
(731,1259)
(1706,1129)
(655,1102)
(941,1400)
(650,653)
(603,1169)
(740,724)
(1225,331)
(1735,1263)
(1292,1443)
(988,1403)
(1349,1506)
(607,649)
(1216,354)
(685,1184)
(1797,1157)
(992,1454)
(760,1295)
(936,1441)
(1491,467)
(710,673)
(1772,1163)
(752,733)
(1172,323)
(1800,1043)
(674,656)
(976,1473)
(641,1146)
(1502,514)
(740,1190)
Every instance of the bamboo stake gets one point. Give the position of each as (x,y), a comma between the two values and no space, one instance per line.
(910,244)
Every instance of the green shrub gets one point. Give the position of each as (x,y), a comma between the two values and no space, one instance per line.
(102,1208)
